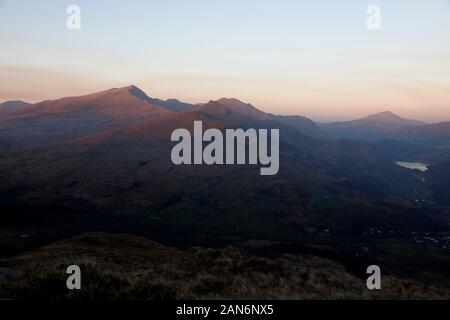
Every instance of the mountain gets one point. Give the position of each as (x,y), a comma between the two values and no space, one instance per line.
(68,118)
(113,105)
(373,127)
(302,124)
(108,155)
(60,120)
(243,115)
(246,109)
(399,137)
(388,120)
(383,120)
(125,164)
(13,105)
(171,104)
(212,115)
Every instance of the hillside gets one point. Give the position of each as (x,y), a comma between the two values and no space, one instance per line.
(130,267)
(68,118)
(436,133)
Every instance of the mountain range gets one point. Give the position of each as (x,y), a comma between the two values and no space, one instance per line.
(111,151)
(101,162)
(128,105)
(73,117)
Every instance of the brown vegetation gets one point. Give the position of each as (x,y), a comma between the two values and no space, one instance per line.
(130,267)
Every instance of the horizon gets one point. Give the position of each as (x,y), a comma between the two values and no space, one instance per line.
(317,60)
(236,98)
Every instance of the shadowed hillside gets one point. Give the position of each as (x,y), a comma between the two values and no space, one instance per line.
(129,267)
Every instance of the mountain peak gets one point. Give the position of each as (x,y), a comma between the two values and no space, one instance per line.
(384,115)
(13,105)
(169,104)
(232,101)
(387,113)
(243,108)
(371,127)
(125,88)
(132,89)
(391,118)
(135,91)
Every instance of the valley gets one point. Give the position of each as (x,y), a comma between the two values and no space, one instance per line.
(102,163)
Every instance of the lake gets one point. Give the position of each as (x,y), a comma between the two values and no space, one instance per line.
(422,167)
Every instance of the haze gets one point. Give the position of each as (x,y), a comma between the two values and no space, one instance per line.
(314,58)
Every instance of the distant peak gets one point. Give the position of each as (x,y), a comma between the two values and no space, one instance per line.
(388,113)
(384,115)
(390,118)
(13,105)
(231,100)
(13,101)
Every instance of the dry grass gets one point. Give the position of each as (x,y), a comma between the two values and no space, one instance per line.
(129,267)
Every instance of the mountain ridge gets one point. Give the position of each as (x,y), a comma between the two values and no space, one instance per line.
(116,107)
(376,126)
(386,117)
(12,105)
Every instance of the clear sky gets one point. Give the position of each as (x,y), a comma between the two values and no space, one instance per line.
(315,58)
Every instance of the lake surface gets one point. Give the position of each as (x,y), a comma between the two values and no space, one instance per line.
(422,167)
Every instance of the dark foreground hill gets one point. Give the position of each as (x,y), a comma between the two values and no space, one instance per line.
(130,267)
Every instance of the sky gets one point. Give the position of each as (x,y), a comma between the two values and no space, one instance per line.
(313,58)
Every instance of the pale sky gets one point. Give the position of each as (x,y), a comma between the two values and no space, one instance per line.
(314,58)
